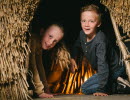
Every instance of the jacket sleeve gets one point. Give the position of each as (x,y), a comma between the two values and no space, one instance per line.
(36,78)
(37,82)
(102,67)
(41,71)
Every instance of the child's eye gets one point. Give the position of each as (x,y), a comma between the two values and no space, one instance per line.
(91,21)
(83,21)
(50,36)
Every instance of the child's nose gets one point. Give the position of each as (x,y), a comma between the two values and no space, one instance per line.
(87,24)
(50,42)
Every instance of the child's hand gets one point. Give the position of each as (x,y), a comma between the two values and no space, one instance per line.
(45,95)
(73,66)
(100,94)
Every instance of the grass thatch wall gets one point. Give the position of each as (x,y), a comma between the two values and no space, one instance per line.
(15,17)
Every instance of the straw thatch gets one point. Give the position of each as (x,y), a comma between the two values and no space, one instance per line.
(61,57)
(120,16)
(15,16)
(120,10)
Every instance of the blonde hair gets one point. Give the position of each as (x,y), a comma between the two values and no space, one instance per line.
(91,7)
(55,24)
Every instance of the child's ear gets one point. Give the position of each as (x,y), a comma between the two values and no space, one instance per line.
(99,24)
(41,31)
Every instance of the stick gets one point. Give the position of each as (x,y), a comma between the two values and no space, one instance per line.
(122,47)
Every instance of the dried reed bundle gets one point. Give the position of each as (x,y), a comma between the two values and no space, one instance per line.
(61,58)
(123,48)
(15,16)
(120,10)
(120,16)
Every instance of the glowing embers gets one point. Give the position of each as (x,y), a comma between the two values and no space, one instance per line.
(74,81)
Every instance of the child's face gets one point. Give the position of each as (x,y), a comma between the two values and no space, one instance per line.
(51,37)
(89,22)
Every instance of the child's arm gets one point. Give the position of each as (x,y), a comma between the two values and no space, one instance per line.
(36,78)
(33,67)
(73,65)
(103,70)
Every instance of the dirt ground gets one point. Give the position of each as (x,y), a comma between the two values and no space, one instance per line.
(88,97)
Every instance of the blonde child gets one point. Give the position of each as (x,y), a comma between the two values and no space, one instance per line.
(99,53)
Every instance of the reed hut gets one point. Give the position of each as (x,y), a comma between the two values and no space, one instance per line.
(120,17)
(15,17)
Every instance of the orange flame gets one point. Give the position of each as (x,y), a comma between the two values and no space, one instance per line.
(71,83)
(76,80)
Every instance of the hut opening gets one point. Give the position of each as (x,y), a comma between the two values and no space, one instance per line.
(67,12)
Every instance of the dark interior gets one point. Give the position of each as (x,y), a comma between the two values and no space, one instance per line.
(68,13)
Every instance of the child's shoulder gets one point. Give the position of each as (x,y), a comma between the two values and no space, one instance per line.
(101,37)
(35,36)
(35,40)
(82,33)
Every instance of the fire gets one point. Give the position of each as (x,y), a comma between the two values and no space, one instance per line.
(76,80)
(71,83)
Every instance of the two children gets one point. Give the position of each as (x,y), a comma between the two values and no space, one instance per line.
(95,47)
(99,53)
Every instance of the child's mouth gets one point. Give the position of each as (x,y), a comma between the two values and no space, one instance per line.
(87,29)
